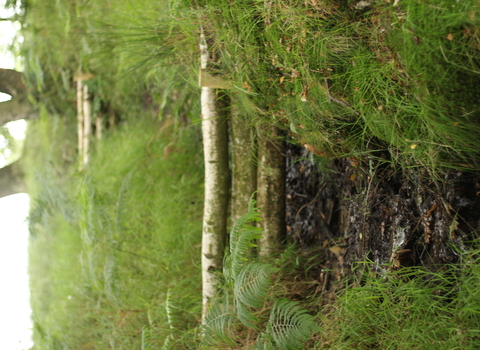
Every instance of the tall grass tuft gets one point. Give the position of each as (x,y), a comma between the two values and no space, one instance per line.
(131,273)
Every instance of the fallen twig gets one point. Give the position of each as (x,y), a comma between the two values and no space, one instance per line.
(343,103)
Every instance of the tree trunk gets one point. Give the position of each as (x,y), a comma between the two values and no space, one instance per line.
(244,165)
(217,183)
(11,83)
(271,189)
(16,109)
(12,180)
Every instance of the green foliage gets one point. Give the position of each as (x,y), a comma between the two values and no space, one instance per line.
(399,78)
(135,51)
(219,321)
(410,308)
(108,238)
(249,285)
(242,237)
(290,325)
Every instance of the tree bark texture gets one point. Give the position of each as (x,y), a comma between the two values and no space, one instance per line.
(12,180)
(11,83)
(244,163)
(15,109)
(271,188)
(217,183)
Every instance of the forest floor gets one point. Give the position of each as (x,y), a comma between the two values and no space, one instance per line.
(356,209)
(386,97)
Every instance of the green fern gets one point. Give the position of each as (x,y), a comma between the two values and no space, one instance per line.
(249,282)
(242,237)
(264,342)
(218,323)
(252,284)
(290,325)
(244,315)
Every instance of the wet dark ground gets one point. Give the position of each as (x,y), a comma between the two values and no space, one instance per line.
(366,210)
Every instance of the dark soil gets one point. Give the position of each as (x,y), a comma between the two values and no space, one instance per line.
(366,210)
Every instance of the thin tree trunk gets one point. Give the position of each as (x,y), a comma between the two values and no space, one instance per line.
(80,117)
(217,183)
(87,125)
(244,165)
(98,126)
(271,189)
(12,180)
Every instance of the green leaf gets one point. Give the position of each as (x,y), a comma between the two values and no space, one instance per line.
(252,284)
(218,323)
(290,325)
(242,237)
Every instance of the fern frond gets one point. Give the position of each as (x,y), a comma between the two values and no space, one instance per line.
(218,322)
(252,284)
(242,237)
(251,215)
(244,315)
(290,325)
(250,289)
(264,342)
(239,254)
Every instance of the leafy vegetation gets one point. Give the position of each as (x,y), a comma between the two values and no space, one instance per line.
(115,248)
(247,287)
(113,252)
(407,309)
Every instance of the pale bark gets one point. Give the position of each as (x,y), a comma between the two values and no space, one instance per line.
(84,122)
(80,118)
(217,180)
(271,189)
(244,164)
(98,127)
(12,180)
(217,183)
(87,124)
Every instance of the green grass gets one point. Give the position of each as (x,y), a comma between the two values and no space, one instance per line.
(401,78)
(408,309)
(115,248)
(120,263)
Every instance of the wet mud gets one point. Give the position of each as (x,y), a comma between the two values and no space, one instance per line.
(366,210)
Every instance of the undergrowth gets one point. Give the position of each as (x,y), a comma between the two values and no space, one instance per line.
(110,269)
(410,308)
(242,301)
(349,81)
(114,249)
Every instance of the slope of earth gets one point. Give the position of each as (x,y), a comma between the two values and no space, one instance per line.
(366,210)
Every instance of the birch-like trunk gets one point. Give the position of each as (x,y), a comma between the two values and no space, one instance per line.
(217,183)
(84,122)
(80,117)
(271,189)
(244,163)
(87,124)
